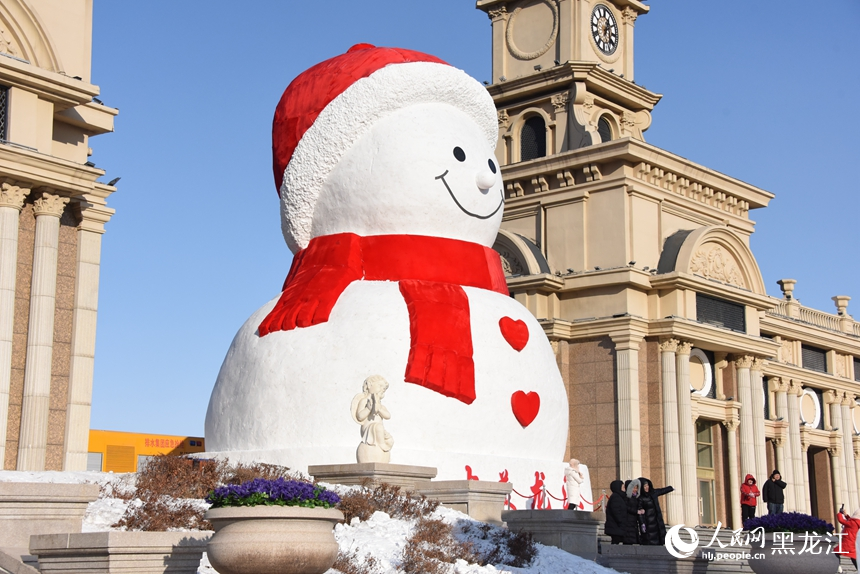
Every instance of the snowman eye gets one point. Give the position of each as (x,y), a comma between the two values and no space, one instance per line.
(459,154)
(492,165)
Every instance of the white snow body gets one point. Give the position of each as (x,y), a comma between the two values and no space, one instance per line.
(285,398)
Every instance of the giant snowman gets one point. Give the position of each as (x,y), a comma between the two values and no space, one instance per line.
(391,199)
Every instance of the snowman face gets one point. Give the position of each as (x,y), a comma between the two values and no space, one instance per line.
(426,169)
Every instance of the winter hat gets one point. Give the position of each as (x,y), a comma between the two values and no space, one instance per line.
(328,107)
(775,472)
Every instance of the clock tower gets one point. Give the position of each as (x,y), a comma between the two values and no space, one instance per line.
(568,63)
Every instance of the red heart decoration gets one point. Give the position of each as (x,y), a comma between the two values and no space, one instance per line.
(525,407)
(515,332)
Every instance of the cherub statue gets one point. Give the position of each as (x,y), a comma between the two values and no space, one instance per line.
(368,411)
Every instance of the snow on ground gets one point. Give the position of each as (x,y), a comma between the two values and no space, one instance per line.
(381,536)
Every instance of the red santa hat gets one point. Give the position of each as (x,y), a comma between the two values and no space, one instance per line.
(328,107)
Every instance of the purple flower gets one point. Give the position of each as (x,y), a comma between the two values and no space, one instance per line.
(278,492)
(789,522)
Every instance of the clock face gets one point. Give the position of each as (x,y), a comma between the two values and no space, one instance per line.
(604,29)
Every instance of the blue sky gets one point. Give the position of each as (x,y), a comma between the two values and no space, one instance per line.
(763,93)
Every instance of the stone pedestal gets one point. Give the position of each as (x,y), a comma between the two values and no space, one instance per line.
(649,559)
(481,499)
(373,474)
(28,508)
(571,530)
(119,552)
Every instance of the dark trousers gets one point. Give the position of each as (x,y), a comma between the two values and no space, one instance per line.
(747,512)
(774,508)
(617,539)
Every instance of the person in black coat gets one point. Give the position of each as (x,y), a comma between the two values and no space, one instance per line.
(772,493)
(632,529)
(616,513)
(650,513)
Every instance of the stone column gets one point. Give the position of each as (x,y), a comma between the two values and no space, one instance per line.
(794,491)
(836,472)
(90,230)
(760,441)
(734,478)
(687,436)
(856,451)
(629,427)
(40,335)
(804,483)
(783,444)
(11,202)
(834,401)
(748,459)
(671,446)
(848,402)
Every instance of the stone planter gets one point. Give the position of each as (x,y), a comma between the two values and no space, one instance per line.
(773,562)
(273,539)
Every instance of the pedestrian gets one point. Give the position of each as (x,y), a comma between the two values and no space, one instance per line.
(633,523)
(749,498)
(848,540)
(654,531)
(572,479)
(773,494)
(616,513)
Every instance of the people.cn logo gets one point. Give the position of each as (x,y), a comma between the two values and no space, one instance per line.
(677,547)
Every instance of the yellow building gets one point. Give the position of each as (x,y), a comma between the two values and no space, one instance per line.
(678,364)
(114,451)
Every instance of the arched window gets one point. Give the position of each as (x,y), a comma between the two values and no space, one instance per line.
(533,139)
(604,129)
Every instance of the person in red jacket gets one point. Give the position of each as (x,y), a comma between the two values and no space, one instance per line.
(749,498)
(850,525)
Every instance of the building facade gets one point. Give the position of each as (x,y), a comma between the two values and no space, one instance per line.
(52,216)
(679,367)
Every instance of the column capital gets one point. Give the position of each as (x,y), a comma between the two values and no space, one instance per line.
(93,213)
(626,341)
(743,361)
(669,345)
(684,347)
(758,364)
(832,397)
(731,424)
(777,385)
(13,194)
(49,204)
(778,440)
(834,451)
(795,387)
(500,13)
(628,16)
(849,400)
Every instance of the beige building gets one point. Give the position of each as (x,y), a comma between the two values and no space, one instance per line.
(52,216)
(679,366)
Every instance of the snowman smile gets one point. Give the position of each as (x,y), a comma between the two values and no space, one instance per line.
(463,209)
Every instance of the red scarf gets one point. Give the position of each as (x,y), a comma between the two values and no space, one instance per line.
(431,271)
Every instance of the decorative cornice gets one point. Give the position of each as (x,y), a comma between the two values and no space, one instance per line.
(48,204)
(669,346)
(684,347)
(12,195)
(744,362)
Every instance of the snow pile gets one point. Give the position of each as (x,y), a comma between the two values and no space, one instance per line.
(381,537)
